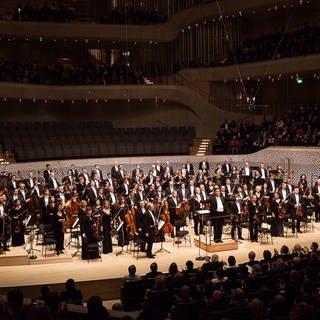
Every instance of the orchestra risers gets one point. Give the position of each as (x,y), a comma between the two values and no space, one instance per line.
(51,259)
(108,289)
(13,260)
(216,247)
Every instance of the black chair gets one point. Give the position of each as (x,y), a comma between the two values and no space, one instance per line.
(132,294)
(93,251)
(48,240)
(264,232)
(287,226)
(181,233)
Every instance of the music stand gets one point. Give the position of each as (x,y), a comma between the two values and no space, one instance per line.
(160,226)
(74,226)
(201,213)
(31,230)
(120,228)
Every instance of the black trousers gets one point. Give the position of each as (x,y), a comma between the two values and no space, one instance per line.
(217,219)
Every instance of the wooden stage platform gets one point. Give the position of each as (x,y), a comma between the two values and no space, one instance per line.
(103,277)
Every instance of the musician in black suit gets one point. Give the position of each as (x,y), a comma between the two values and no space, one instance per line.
(52,182)
(204,166)
(316,195)
(75,172)
(139,213)
(173,203)
(218,209)
(246,173)
(4,223)
(139,195)
(44,206)
(149,227)
(29,182)
(12,184)
(295,205)
(46,173)
(97,171)
(115,170)
(226,168)
(236,210)
(68,179)
(92,193)
(81,187)
(196,205)
(189,168)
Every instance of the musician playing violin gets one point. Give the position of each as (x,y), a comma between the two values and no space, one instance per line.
(276,216)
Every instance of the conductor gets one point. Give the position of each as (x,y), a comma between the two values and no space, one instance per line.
(217,212)
(149,227)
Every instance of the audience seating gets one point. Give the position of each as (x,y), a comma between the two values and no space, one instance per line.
(59,140)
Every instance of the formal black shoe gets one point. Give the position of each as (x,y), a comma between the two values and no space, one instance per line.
(216,241)
(58,253)
(61,251)
(151,256)
(299,231)
(6,249)
(240,238)
(220,241)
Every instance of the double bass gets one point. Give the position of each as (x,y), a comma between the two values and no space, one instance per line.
(72,207)
(165,216)
(130,222)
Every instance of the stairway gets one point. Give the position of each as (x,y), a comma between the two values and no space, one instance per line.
(201,146)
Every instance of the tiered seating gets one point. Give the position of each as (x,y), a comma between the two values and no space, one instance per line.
(58,140)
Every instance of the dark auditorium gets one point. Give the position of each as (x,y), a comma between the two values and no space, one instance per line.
(159,159)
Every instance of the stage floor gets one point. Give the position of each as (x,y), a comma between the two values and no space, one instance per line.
(54,270)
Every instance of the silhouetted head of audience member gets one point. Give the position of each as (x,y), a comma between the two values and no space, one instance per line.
(173,269)
(96,310)
(132,270)
(53,301)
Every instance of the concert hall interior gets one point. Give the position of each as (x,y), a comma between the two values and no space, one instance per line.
(159,159)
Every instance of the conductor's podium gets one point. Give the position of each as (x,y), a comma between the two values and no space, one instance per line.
(206,243)
(216,247)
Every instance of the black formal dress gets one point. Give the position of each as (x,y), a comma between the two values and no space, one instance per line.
(276,220)
(58,228)
(254,220)
(106,224)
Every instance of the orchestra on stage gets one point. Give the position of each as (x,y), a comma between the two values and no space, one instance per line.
(147,207)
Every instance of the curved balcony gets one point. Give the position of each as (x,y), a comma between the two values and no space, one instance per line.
(163,32)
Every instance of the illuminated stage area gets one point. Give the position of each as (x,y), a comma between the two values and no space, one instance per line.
(104,275)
